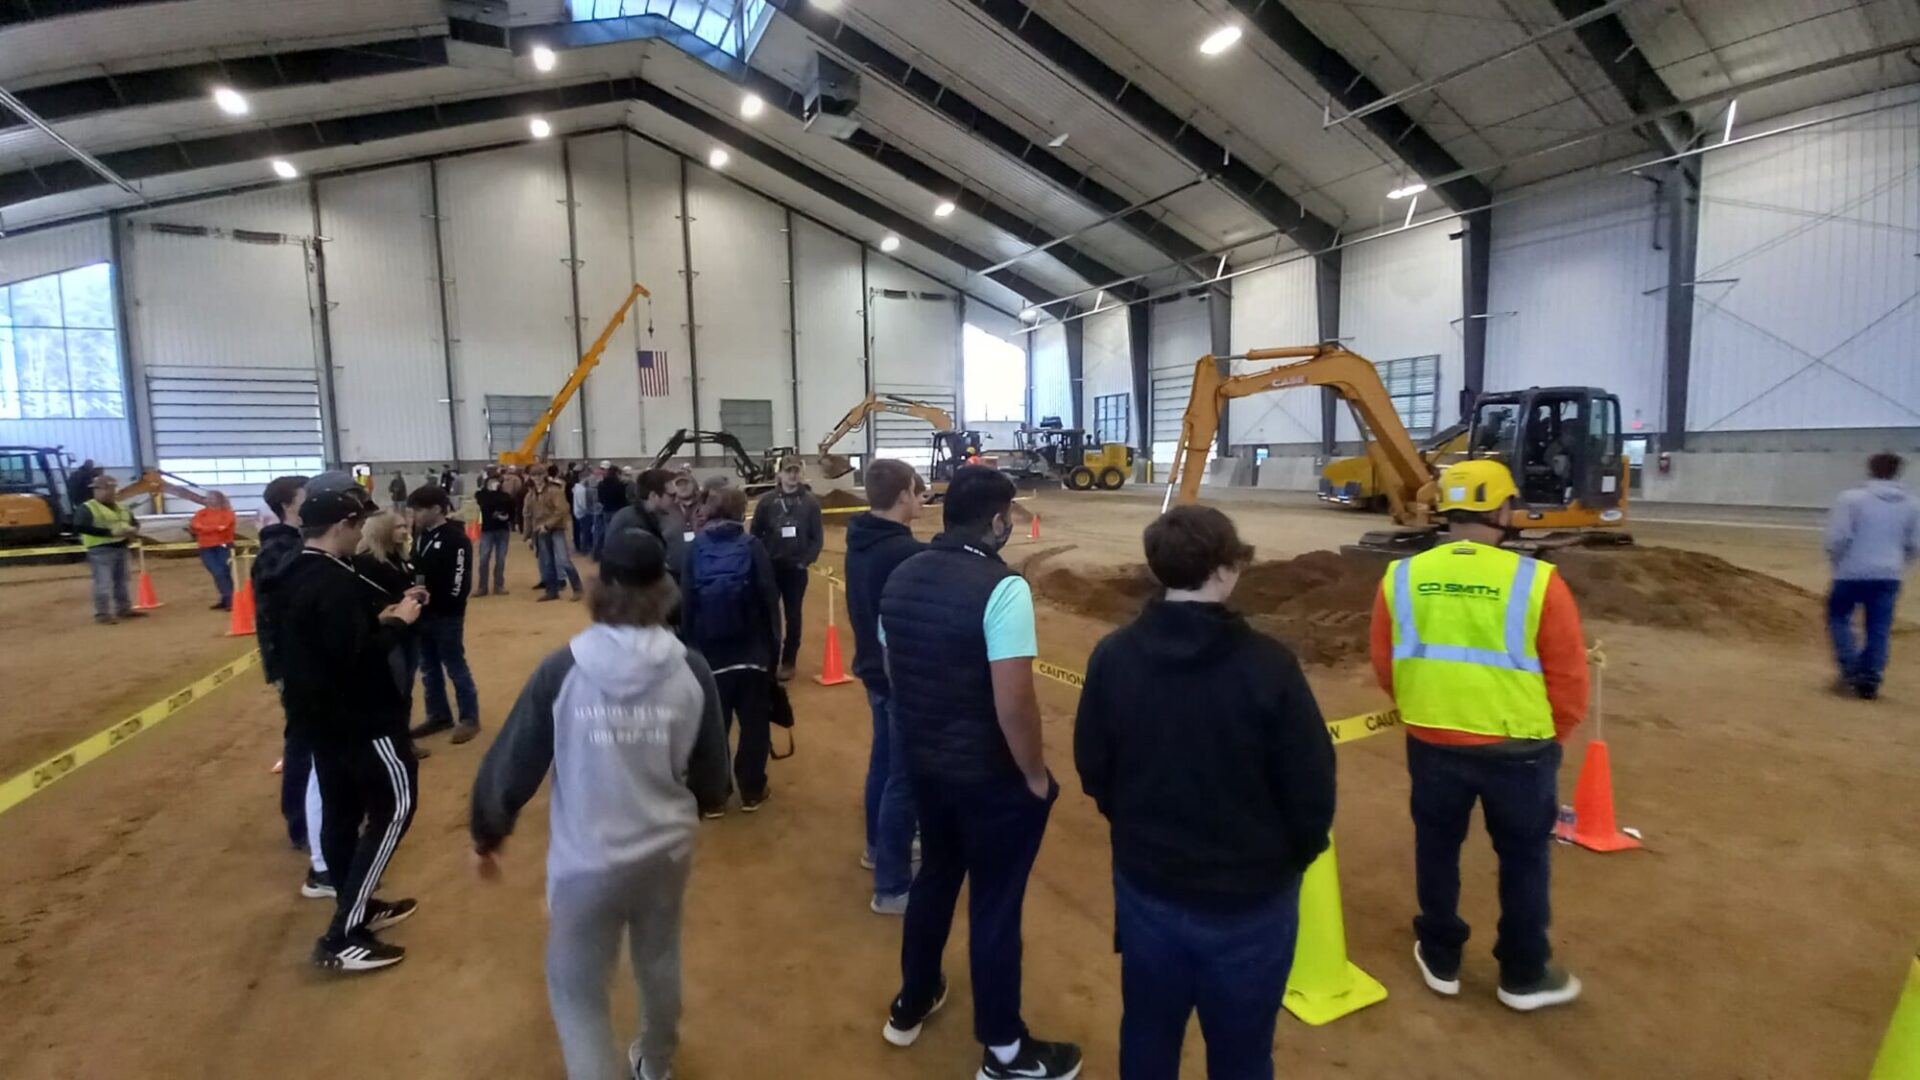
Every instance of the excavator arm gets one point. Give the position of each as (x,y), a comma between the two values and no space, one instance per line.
(1406,480)
(751,471)
(834,465)
(528,451)
(156,484)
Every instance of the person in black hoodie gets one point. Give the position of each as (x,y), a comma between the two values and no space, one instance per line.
(878,541)
(730,611)
(499,513)
(443,562)
(334,649)
(787,521)
(1200,741)
(280,545)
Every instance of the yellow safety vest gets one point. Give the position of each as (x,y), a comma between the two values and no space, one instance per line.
(105,517)
(1465,618)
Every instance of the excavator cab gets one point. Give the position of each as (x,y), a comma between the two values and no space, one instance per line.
(33,495)
(952,449)
(1564,447)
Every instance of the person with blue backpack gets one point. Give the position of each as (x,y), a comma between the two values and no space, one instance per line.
(731,614)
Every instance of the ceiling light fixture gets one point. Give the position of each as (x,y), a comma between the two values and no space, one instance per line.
(231,101)
(718,158)
(1220,40)
(752,105)
(544,58)
(1408,191)
(827,5)
(1059,140)
(945,209)
(890,245)
(284,169)
(539,126)
(1030,314)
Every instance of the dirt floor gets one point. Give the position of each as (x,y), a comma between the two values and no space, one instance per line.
(150,923)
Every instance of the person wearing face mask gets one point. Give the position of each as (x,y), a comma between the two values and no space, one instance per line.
(957,627)
(1201,743)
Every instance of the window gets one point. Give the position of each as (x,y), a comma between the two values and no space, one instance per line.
(750,421)
(510,417)
(59,354)
(730,25)
(1113,418)
(1414,385)
(996,373)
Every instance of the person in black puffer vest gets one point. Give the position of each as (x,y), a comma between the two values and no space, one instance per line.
(957,625)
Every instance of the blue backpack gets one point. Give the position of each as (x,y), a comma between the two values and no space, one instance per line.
(723,573)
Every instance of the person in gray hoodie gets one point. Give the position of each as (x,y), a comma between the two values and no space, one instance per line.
(628,720)
(1873,535)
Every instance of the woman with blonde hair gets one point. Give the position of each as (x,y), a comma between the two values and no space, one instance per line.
(382,563)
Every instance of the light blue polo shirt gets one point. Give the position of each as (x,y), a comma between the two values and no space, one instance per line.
(1008,623)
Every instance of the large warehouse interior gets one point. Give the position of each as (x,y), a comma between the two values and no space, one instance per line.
(514,267)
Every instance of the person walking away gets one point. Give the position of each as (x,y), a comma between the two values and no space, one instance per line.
(878,541)
(583,498)
(958,628)
(628,722)
(106,530)
(787,521)
(442,560)
(1486,707)
(212,527)
(281,544)
(335,649)
(676,521)
(397,491)
(1873,536)
(547,515)
(1201,743)
(731,613)
(612,496)
(646,499)
(497,514)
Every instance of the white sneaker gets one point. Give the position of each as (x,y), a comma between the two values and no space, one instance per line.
(640,1070)
(889,905)
(1556,987)
(1446,987)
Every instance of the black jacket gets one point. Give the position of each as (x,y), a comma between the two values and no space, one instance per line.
(339,682)
(444,556)
(393,577)
(874,547)
(497,511)
(612,492)
(280,545)
(779,511)
(1201,742)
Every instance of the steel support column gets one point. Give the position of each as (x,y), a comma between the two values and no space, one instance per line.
(573,279)
(1077,369)
(446,322)
(1680,198)
(1220,344)
(1140,360)
(1476,254)
(1326,300)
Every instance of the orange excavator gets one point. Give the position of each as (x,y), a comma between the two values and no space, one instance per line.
(1563,445)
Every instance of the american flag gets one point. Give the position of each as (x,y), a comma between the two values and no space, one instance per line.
(653,373)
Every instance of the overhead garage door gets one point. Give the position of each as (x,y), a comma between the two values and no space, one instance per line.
(236,428)
(910,438)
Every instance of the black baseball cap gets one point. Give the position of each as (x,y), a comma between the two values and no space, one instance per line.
(333,497)
(632,557)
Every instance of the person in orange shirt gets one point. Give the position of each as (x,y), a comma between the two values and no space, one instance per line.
(212,526)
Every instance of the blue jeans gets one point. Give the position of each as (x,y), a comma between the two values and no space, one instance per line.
(985,835)
(890,819)
(598,538)
(219,562)
(551,549)
(108,565)
(1862,666)
(443,649)
(1519,798)
(1229,962)
(493,554)
(584,529)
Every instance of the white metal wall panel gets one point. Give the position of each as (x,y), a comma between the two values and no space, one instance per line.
(1272,309)
(1576,297)
(916,341)
(833,367)
(1400,296)
(1108,366)
(390,374)
(740,303)
(1807,307)
(1182,333)
(1052,390)
(504,227)
(50,251)
(659,263)
(617,425)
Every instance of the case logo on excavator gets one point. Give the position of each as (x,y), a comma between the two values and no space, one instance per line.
(1454,588)
(1288,380)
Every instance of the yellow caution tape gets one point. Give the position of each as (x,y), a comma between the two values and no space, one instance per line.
(20,788)
(845,509)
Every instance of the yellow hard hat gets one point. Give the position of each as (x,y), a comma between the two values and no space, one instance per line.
(1479,485)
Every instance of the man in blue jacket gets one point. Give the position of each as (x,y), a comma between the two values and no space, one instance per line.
(878,541)
(1873,535)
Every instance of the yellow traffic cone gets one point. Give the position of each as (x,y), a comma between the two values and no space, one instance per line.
(1899,1057)
(1325,985)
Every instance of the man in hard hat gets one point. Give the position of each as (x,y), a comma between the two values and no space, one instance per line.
(1482,651)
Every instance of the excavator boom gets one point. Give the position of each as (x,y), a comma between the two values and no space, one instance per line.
(528,451)
(836,465)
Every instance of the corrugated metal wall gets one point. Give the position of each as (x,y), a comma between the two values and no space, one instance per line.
(1181,333)
(1052,392)
(1109,368)
(1576,298)
(1400,296)
(1274,308)
(916,341)
(36,254)
(615,420)
(1807,307)
(740,301)
(833,366)
(390,374)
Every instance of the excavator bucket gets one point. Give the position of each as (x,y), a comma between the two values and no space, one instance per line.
(833,466)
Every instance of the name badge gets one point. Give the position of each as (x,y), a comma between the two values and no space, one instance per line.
(789,531)
(687,536)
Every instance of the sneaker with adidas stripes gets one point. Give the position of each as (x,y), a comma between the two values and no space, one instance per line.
(358,951)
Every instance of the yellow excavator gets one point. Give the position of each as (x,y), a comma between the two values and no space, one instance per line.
(1563,445)
(34,504)
(528,452)
(1355,481)
(952,447)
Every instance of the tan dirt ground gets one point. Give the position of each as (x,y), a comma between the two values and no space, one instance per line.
(150,924)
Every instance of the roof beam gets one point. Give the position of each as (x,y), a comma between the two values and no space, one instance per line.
(16,12)
(1346,85)
(1052,44)
(1606,39)
(936,96)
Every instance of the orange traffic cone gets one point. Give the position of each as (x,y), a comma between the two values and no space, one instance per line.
(1593,826)
(832,672)
(145,598)
(240,624)
(1034,532)
(473,531)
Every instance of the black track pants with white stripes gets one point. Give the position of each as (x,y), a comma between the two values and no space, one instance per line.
(367,790)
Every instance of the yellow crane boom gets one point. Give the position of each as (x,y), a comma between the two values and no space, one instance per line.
(528,451)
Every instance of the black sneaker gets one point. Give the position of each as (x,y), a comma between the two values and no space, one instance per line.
(428,727)
(1867,691)
(1035,1059)
(463,733)
(752,804)
(318,886)
(903,1026)
(384,913)
(1554,987)
(1444,981)
(358,951)
(714,813)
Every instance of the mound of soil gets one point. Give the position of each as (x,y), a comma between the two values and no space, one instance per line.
(1320,603)
(840,498)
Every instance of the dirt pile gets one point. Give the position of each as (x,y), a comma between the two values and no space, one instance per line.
(841,498)
(1321,603)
